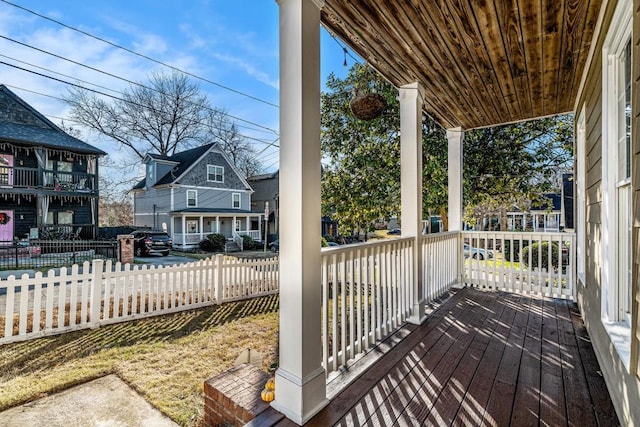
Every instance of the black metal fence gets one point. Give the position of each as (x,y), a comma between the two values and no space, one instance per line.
(44,254)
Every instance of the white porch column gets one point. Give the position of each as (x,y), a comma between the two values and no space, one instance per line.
(455,137)
(217,224)
(454,211)
(411,188)
(248,224)
(201,229)
(233,225)
(184,231)
(300,378)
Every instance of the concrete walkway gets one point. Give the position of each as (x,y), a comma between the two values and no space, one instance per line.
(105,402)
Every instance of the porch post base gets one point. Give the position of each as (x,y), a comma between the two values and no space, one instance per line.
(419,315)
(299,399)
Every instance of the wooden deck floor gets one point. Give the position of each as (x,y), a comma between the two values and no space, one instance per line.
(482,358)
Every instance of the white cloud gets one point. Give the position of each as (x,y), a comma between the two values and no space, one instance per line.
(248,68)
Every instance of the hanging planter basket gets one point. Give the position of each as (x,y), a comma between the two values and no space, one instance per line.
(367,106)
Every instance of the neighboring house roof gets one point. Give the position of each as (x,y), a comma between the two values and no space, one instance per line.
(214,210)
(140,185)
(184,161)
(555,203)
(264,176)
(44,134)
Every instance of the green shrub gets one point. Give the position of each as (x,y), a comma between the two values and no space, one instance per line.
(324,243)
(248,243)
(506,250)
(535,258)
(213,243)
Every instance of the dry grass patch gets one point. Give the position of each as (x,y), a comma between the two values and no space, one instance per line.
(165,358)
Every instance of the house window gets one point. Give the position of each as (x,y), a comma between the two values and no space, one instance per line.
(192,198)
(236,200)
(192,226)
(150,174)
(65,217)
(616,180)
(215,173)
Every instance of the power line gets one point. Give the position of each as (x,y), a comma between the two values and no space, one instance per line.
(131,82)
(263,141)
(255,98)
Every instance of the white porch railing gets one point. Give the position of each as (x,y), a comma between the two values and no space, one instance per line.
(440,260)
(254,234)
(237,239)
(102,293)
(367,293)
(522,262)
(187,238)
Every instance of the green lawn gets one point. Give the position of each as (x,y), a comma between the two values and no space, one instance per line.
(165,358)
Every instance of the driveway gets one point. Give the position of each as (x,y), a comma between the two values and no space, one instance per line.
(163,260)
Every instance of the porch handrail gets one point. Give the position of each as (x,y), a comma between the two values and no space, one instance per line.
(440,260)
(238,240)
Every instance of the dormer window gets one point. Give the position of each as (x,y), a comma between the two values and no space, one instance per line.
(215,173)
(150,174)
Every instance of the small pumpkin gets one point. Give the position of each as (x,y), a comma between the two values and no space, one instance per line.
(268,395)
(271,384)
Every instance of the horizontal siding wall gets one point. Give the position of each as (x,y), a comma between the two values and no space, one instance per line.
(624,387)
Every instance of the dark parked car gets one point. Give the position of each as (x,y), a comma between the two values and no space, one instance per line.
(275,246)
(395,232)
(151,242)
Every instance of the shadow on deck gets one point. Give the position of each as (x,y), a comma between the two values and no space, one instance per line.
(482,358)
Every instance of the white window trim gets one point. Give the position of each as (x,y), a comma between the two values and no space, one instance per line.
(196,198)
(580,201)
(619,331)
(215,180)
(233,196)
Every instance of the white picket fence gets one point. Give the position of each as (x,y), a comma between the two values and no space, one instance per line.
(102,293)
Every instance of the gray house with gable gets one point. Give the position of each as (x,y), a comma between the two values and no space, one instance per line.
(195,193)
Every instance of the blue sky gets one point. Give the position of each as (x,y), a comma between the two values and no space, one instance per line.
(230,42)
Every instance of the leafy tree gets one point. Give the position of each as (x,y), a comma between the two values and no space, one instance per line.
(361,172)
(503,166)
(514,165)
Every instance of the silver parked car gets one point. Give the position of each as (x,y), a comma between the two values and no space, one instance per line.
(477,253)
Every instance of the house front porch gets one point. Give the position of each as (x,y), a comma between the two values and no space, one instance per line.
(480,358)
(190,226)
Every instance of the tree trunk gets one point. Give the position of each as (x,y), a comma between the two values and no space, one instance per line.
(445,219)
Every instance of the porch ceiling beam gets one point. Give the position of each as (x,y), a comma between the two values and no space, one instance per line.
(300,378)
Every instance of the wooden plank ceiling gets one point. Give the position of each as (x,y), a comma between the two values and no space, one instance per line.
(481,62)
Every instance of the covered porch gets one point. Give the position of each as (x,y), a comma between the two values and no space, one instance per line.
(468,65)
(480,358)
(190,226)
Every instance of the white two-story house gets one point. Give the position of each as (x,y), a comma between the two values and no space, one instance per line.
(195,193)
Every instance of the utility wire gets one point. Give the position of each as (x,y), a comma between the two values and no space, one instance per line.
(263,141)
(131,82)
(255,98)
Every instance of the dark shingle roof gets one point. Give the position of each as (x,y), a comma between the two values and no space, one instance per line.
(264,176)
(48,135)
(184,159)
(140,185)
(49,138)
